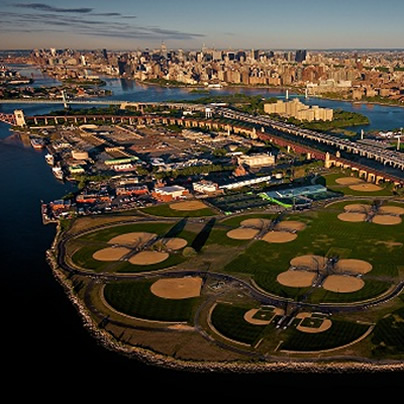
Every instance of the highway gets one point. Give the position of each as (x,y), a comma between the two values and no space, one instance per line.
(387,157)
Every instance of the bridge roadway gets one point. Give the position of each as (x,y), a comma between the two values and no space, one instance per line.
(174,105)
(387,157)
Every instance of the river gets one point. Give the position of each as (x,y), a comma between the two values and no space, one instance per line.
(45,335)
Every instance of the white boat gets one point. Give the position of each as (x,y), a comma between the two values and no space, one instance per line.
(50,159)
(57,172)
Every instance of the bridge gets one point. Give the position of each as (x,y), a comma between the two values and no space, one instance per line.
(138,106)
(247,128)
(387,157)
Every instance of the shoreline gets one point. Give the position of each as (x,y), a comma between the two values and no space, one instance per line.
(149,357)
(294,90)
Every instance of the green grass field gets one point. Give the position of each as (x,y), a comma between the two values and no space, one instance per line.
(98,240)
(134,298)
(388,335)
(340,333)
(165,210)
(326,234)
(330,181)
(229,321)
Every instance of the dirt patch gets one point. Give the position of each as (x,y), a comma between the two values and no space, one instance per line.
(133,239)
(389,244)
(255,223)
(242,234)
(175,243)
(391,210)
(357,207)
(148,258)
(324,326)
(365,187)
(188,205)
(291,225)
(352,265)
(311,262)
(343,284)
(352,217)
(177,288)
(249,317)
(387,220)
(348,181)
(110,254)
(279,237)
(296,279)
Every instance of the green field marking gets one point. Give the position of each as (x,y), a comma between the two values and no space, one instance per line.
(165,210)
(134,298)
(339,334)
(229,321)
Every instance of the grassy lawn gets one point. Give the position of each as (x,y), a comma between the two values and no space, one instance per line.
(93,242)
(229,321)
(388,335)
(330,181)
(165,210)
(107,234)
(134,298)
(340,333)
(326,234)
(236,220)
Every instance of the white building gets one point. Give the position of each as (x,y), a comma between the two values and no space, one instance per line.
(257,160)
(205,187)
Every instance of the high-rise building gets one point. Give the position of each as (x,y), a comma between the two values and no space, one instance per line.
(300,56)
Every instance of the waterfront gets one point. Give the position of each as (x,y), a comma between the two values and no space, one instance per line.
(46,327)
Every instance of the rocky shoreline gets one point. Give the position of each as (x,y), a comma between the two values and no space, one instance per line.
(152,358)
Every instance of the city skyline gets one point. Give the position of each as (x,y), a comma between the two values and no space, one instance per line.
(180,24)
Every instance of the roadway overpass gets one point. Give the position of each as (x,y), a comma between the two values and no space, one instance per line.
(387,157)
(254,127)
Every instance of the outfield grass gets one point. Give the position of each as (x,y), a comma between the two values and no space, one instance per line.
(330,182)
(229,321)
(236,220)
(108,234)
(340,334)
(326,234)
(165,210)
(134,298)
(93,242)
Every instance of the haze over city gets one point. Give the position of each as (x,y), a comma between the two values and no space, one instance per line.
(124,24)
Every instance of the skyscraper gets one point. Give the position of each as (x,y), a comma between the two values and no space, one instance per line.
(301,56)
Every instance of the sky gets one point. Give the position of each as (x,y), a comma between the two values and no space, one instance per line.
(188,24)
